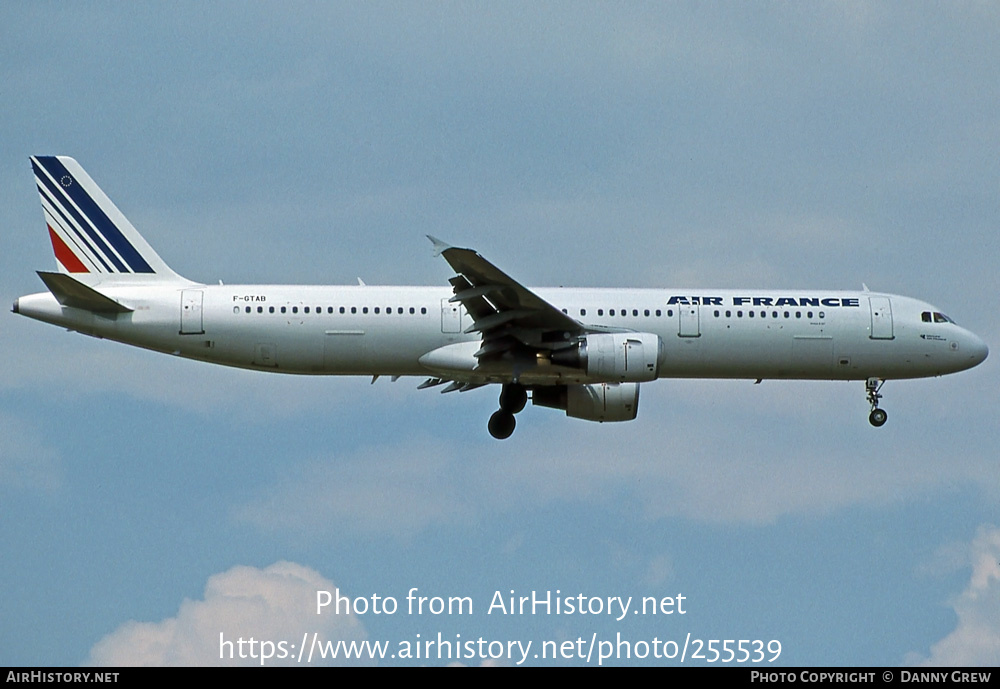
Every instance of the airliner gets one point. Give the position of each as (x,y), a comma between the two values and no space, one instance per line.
(581,351)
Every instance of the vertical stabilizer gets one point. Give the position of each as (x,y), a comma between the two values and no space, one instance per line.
(89,234)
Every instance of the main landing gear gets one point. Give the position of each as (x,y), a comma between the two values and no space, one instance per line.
(513,397)
(878,416)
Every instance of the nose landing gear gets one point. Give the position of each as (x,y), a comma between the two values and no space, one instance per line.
(512,400)
(878,416)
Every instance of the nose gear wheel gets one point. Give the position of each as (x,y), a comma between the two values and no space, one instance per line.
(878,416)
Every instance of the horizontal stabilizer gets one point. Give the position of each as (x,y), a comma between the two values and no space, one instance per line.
(69,291)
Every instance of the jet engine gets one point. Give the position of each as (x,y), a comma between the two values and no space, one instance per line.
(598,402)
(614,357)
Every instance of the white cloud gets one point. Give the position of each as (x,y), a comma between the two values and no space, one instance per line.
(976,638)
(274,604)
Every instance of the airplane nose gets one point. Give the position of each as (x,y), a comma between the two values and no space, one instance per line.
(979,350)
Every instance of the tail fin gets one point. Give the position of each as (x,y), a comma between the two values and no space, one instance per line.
(88,232)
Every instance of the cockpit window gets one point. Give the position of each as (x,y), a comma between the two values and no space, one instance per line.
(936,317)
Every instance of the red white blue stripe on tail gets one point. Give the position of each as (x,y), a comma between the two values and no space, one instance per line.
(88,232)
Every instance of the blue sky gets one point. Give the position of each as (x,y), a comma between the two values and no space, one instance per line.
(149,503)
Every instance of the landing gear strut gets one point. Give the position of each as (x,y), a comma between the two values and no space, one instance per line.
(878,416)
(512,400)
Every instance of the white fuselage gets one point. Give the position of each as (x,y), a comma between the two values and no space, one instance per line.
(374,330)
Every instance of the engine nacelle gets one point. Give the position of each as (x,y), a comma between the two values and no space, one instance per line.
(598,402)
(614,357)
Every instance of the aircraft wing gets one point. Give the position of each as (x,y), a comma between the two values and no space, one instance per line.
(513,320)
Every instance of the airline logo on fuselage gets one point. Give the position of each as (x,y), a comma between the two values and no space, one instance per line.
(766,301)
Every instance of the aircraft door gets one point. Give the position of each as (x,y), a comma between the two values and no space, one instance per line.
(689,316)
(265,354)
(881,318)
(451,317)
(191,312)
